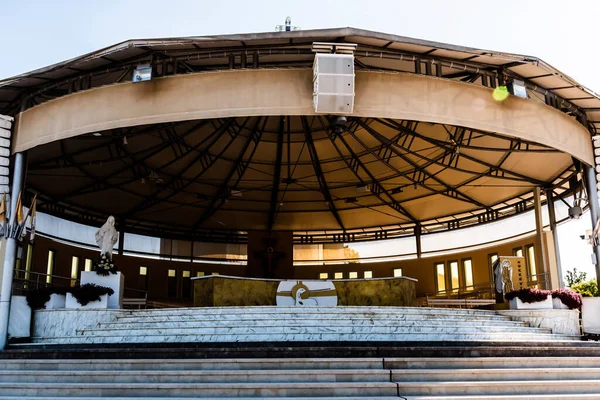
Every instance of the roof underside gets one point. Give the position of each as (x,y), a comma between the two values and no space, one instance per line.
(293,173)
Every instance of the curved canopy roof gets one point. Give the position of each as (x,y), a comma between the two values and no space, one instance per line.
(377,177)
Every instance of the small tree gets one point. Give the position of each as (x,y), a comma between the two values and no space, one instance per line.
(574,277)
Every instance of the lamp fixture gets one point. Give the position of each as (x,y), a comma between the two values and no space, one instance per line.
(396,190)
(142,72)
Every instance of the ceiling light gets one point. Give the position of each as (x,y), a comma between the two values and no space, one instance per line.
(396,190)
(125,142)
(96,134)
(363,188)
(236,193)
(350,200)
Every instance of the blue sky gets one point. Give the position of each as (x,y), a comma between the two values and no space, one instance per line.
(36,33)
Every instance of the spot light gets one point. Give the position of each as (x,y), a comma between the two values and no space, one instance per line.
(350,200)
(97,134)
(396,190)
(143,72)
(517,88)
(125,142)
(575,212)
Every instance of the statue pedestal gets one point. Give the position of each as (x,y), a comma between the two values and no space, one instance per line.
(115,282)
(19,324)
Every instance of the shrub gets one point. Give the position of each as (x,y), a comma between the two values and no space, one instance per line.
(89,292)
(568,297)
(37,298)
(587,288)
(528,295)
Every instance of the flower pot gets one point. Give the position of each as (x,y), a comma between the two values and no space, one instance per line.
(114,281)
(590,315)
(57,301)
(517,304)
(558,304)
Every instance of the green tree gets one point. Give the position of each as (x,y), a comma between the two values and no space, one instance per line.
(574,277)
(587,288)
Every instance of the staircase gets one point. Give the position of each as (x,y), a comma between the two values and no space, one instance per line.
(282,325)
(344,378)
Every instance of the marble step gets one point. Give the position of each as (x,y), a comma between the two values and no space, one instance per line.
(494,374)
(176,329)
(560,396)
(440,363)
(315,337)
(513,387)
(247,376)
(220,398)
(198,322)
(241,364)
(313,316)
(200,390)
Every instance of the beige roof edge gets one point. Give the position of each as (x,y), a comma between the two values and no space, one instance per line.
(302,34)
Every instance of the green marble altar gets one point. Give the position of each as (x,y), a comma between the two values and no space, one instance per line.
(222,290)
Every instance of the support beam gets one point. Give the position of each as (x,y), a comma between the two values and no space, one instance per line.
(276,177)
(552,217)
(418,231)
(10,252)
(540,253)
(314,157)
(592,192)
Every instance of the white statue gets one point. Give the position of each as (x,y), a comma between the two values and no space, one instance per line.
(503,277)
(107,236)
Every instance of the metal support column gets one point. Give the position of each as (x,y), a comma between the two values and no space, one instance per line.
(10,254)
(592,192)
(540,253)
(418,239)
(552,216)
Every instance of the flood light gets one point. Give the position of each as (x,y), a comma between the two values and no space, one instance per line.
(142,73)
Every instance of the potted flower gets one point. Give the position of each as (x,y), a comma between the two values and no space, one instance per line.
(105,266)
(566,299)
(590,307)
(528,299)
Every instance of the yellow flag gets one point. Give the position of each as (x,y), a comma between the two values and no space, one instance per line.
(32,211)
(3,209)
(19,210)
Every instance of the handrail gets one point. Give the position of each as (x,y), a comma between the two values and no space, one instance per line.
(44,284)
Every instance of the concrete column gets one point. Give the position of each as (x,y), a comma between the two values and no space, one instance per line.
(540,255)
(552,216)
(10,254)
(592,192)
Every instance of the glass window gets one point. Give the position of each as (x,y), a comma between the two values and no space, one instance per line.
(530,251)
(398,272)
(74,270)
(518,252)
(468,272)
(143,271)
(454,279)
(353,275)
(338,275)
(50,266)
(323,275)
(199,273)
(186,274)
(172,273)
(368,274)
(440,277)
(88,264)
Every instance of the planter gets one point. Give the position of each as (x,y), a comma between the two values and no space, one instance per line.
(115,282)
(517,304)
(71,302)
(590,315)
(559,305)
(19,324)
(57,301)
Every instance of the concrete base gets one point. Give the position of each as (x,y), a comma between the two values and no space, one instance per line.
(517,304)
(56,302)
(565,322)
(590,315)
(115,282)
(72,303)
(19,324)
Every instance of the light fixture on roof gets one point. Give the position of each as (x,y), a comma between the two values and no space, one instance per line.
(142,72)
(396,190)
(349,200)
(575,212)
(125,142)
(517,88)
(97,134)
(236,193)
(363,188)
